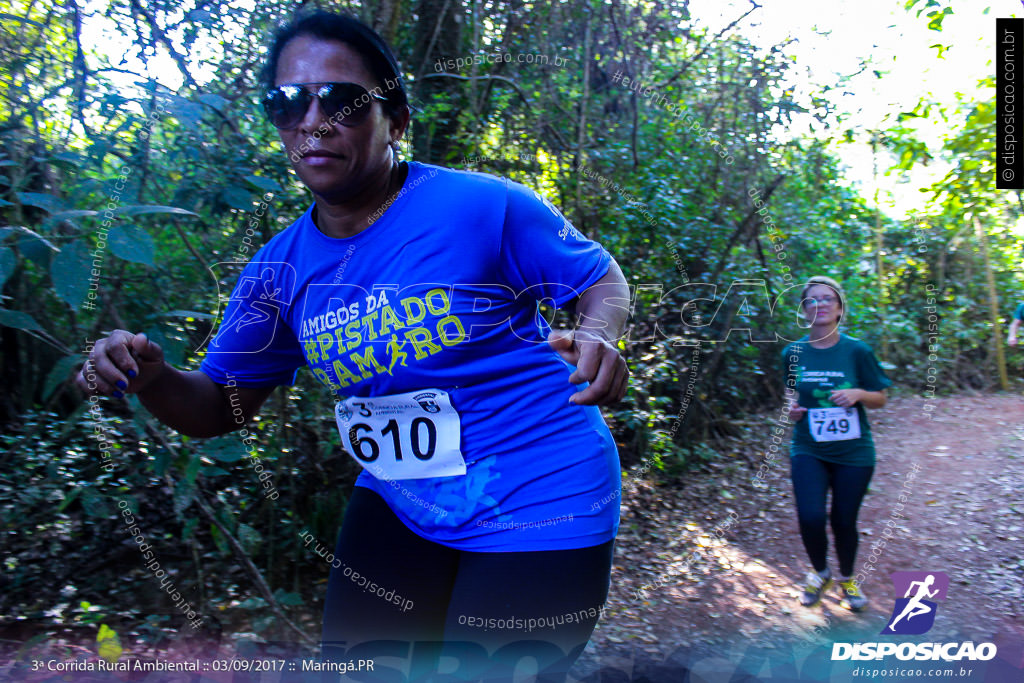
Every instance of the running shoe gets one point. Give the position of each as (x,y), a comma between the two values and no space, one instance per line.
(853,598)
(814,586)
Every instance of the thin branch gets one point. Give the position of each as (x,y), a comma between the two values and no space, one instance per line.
(744,227)
(581,126)
(184,238)
(515,86)
(700,53)
(504,79)
(161,37)
(236,547)
(44,336)
(80,69)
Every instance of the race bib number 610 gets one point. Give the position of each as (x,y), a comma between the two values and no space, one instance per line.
(402,436)
(834,424)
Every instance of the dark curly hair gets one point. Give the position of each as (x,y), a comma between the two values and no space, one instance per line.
(341,28)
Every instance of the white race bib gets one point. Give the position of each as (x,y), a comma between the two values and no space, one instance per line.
(833,424)
(403,436)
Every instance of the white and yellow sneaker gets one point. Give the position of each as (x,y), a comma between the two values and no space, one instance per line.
(853,598)
(814,587)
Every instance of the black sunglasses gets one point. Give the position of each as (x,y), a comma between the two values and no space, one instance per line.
(344,103)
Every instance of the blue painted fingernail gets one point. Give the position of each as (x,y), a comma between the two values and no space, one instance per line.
(131,374)
(121,384)
(118,394)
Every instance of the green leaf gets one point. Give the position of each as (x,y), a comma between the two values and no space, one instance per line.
(260,624)
(99,149)
(136,209)
(288,599)
(249,538)
(132,243)
(265,184)
(70,272)
(8,262)
(189,114)
(252,603)
(219,540)
(188,528)
(224,449)
(192,470)
(174,348)
(47,202)
(215,101)
(73,213)
(67,157)
(18,320)
(69,498)
(161,461)
(237,198)
(94,503)
(36,249)
(59,374)
(109,644)
(184,494)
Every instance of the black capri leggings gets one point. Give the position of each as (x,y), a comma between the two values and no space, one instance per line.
(424,611)
(812,478)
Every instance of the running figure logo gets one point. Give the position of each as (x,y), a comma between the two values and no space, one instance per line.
(914,613)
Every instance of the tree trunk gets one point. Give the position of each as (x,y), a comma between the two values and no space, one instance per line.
(437,37)
(993,307)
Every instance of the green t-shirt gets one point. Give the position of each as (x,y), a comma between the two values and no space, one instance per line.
(814,373)
(1019,313)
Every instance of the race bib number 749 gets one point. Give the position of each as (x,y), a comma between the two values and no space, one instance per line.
(415,435)
(834,424)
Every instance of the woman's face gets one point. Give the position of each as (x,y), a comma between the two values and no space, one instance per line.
(336,162)
(827,311)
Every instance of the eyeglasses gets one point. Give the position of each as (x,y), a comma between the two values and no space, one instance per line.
(820,300)
(344,103)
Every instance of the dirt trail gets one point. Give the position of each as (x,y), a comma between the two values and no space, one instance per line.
(964,515)
(731,615)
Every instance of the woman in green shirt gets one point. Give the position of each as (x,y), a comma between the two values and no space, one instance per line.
(835,378)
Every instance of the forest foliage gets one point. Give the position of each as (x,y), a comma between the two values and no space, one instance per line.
(690,180)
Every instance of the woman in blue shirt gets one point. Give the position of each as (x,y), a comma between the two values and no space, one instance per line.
(411,291)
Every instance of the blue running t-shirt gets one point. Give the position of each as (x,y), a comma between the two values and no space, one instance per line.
(441,291)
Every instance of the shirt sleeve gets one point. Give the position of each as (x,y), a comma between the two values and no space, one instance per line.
(1019,313)
(254,345)
(869,372)
(542,253)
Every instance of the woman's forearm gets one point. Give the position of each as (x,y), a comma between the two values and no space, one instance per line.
(604,306)
(189,402)
(872,399)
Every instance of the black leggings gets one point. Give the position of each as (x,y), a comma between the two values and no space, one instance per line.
(812,479)
(420,608)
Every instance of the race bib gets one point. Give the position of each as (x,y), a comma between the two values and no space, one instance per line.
(834,424)
(402,436)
